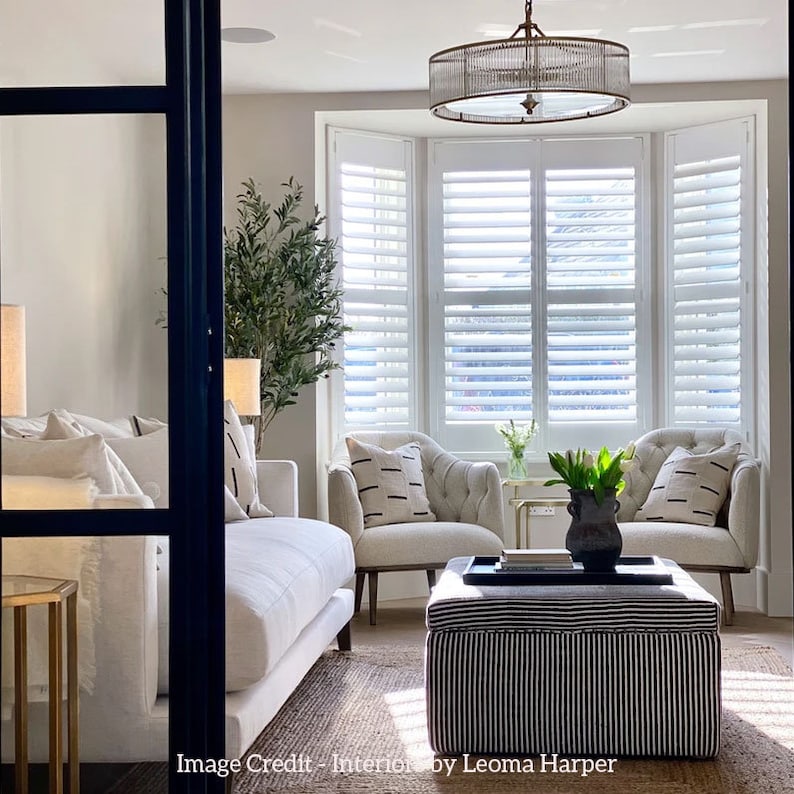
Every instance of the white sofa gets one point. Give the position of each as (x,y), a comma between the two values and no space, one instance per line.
(285,603)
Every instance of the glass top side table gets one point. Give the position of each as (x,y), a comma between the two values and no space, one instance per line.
(20,592)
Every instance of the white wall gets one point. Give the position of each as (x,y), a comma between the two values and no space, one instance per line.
(271,137)
(82,237)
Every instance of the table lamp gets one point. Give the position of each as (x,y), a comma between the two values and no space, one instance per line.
(241,384)
(13,387)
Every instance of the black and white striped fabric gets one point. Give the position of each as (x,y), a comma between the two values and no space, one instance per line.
(622,673)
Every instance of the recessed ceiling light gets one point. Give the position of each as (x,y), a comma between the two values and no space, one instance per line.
(247,35)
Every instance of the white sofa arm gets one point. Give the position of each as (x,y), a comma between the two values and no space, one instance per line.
(278,486)
(744,514)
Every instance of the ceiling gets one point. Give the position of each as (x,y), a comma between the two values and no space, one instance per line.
(372,45)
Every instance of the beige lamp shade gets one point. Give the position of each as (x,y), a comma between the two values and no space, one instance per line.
(241,384)
(13,382)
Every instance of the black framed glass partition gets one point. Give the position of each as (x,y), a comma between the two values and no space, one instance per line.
(110,221)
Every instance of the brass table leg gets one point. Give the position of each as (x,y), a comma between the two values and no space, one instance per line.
(21,700)
(72,694)
(56,687)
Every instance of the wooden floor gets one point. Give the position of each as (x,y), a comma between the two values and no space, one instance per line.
(403,621)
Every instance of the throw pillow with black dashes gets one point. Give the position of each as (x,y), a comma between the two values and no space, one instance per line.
(391,485)
(240,465)
(690,488)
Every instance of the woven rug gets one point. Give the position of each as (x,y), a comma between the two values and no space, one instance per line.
(367,707)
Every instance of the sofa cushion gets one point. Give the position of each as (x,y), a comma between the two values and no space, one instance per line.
(72,457)
(280,572)
(390,483)
(26,426)
(142,426)
(147,459)
(690,488)
(61,424)
(232,511)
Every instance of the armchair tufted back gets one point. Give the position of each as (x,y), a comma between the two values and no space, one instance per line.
(457,490)
(652,450)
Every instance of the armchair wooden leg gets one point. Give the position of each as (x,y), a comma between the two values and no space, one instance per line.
(727,598)
(359,591)
(431,578)
(373,597)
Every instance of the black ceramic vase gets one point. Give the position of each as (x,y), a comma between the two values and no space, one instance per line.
(593,537)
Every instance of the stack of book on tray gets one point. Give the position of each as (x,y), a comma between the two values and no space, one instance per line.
(534,560)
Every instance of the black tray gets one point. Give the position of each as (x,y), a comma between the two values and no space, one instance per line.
(629,570)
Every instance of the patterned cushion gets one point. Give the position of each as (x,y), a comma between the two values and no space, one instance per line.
(240,466)
(690,488)
(391,485)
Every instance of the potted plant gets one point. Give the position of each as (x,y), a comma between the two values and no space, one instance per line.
(282,299)
(516,438)
(594,481)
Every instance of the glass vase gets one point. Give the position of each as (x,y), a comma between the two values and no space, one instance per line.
(517,467)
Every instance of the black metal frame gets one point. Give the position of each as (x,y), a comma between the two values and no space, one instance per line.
(191,103)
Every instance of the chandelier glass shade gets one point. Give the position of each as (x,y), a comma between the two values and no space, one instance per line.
(529,78)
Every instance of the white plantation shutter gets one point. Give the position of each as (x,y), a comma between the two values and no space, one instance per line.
(709,258)
(539,290)
(484,333)
(590,287)
(371,218)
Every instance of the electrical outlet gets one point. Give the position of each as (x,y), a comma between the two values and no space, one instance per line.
(541,510)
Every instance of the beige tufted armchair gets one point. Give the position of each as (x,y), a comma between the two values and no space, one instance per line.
(465,497)
(731,546)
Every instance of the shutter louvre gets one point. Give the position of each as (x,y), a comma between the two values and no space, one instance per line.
(705,228)
(373,247)
(591,337)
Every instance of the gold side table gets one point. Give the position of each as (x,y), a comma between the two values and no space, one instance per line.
(20,592)
(523,508)
(517,503)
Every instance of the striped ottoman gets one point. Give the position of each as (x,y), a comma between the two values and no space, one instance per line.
(578,671)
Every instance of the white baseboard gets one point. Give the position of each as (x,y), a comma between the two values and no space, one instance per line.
(779,592)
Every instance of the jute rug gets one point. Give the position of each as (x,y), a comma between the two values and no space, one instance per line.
(367,707)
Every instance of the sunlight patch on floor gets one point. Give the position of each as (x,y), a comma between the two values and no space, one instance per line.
(407,710)
(765,699)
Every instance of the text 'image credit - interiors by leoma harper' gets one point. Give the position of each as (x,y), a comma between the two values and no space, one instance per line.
(300,763)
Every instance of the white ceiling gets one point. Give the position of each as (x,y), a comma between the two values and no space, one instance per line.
(373,45)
